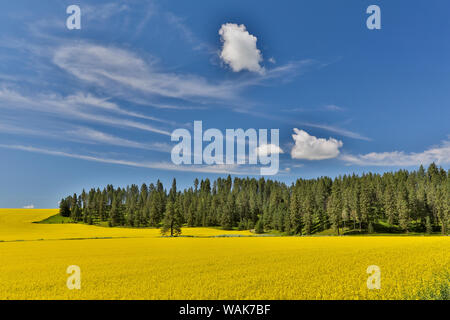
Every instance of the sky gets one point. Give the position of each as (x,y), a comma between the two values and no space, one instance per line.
(83,108)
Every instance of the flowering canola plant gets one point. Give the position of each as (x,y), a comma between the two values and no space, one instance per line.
(126,263)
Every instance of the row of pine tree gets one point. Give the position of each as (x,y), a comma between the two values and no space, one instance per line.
(401,201)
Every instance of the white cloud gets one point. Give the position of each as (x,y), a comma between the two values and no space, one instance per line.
(120,71)
(292,121)
(184,30)
(82,134)
(30,206)
(239,49)
(333,107)
(89,135)
(90,100)
(337,130)
(330,107)
(104,11)
(438,154)
(268,149)
(312,148)
(138,77)
(69,107)
(220,168)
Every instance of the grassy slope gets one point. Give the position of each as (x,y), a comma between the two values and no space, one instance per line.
(55,219)
(382,228)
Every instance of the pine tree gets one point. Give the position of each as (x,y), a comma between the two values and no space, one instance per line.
(191,214)
(259,228)
(390,207)
(355,206)
(346,207)
(64,208)
(334,207)
(428,226)
(295,215)
(367,202)
(172,220)
(173,191)
(441,208)
(307,214)
(403,208)
(115,213)
(228,209)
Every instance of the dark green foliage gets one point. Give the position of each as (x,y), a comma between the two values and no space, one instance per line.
(403,201)
(172,220)
(242,225)
(64,208)
(259,228)
(429,228)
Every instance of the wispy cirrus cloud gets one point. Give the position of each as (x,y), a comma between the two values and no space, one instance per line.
(179,24)
(124,73)
(327,127)
(81,134)
(121,71)
(104,11)
(103,103)
(134,76)
(335,129)
(71,107)
(333,107)
(439,154)
(218,169)
(328,107)
(88,135)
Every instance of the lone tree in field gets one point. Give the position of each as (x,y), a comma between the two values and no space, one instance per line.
(172,220)
(259,228)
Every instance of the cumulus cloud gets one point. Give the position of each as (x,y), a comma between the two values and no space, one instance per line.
(311,148)
(439,154)
(30,206)
(268,149)
(239,49)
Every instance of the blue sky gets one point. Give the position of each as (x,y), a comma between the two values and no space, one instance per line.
(96,106)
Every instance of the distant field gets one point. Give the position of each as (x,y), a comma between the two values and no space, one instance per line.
(17,224)
(139,264)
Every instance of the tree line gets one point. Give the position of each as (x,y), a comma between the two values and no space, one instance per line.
(400,201)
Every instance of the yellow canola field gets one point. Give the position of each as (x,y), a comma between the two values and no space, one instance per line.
(17,225)
(146,266)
